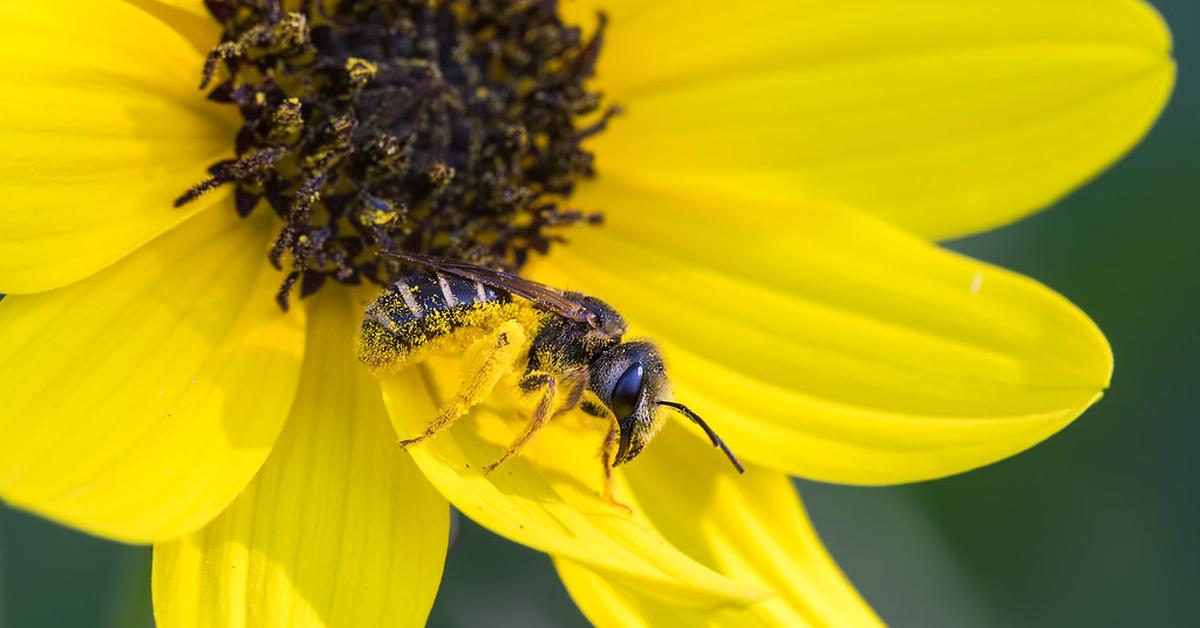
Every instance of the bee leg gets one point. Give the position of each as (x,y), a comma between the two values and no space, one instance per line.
(484,363)
(607,449)
(541,415)
(591,407)
(606,458)
(576,394)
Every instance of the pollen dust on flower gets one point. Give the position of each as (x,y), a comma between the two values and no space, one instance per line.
(446,127)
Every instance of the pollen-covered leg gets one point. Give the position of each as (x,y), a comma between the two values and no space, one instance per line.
(541,415)
(484,363)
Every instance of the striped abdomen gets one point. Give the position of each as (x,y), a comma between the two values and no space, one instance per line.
(418,310)
(428,293)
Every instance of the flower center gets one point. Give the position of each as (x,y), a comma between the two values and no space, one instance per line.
(446,127)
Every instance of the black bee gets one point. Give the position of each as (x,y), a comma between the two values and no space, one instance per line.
(568,345)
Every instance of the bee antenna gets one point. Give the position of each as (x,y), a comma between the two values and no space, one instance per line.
(716,440)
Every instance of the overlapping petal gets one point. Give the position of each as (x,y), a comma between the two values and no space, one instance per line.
(339,528)
(750,527)
(189,18)
(828,344)
(101,127)
(944,116)
(137,404)
(548,498)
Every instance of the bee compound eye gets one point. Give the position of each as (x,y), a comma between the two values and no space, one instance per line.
(627,390)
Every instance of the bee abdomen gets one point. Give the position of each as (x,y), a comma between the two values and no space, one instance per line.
(419,309)
(418,296)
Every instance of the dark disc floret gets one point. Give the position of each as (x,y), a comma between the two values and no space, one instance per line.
(445,127)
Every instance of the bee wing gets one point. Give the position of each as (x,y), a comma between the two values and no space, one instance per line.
(541,294)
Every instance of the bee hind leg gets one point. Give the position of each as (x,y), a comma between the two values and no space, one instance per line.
(541,415)
(485,362)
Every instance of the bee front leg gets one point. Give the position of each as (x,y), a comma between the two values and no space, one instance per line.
(606,458)
(484,363)
(607,449)
(541,415)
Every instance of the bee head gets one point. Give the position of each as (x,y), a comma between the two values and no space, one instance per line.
(630,379)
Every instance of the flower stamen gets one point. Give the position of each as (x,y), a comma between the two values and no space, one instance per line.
(451,128)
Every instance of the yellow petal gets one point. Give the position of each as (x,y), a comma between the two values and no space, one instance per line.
(338,528)
(189,18)
(944,116)
(750,527)
(101,127)
(139,402)
(830,345)
(549,496)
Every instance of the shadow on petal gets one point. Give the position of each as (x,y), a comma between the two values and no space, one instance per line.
(140,402)
(750,527)
(101,128)
(549,497)
(339,528)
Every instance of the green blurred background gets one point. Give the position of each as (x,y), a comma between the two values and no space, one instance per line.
(1099,526)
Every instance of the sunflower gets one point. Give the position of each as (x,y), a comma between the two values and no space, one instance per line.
(769,190)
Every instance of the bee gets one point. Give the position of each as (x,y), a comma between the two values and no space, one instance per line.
(568,347)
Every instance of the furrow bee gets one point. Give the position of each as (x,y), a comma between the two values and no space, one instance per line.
(568,347)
